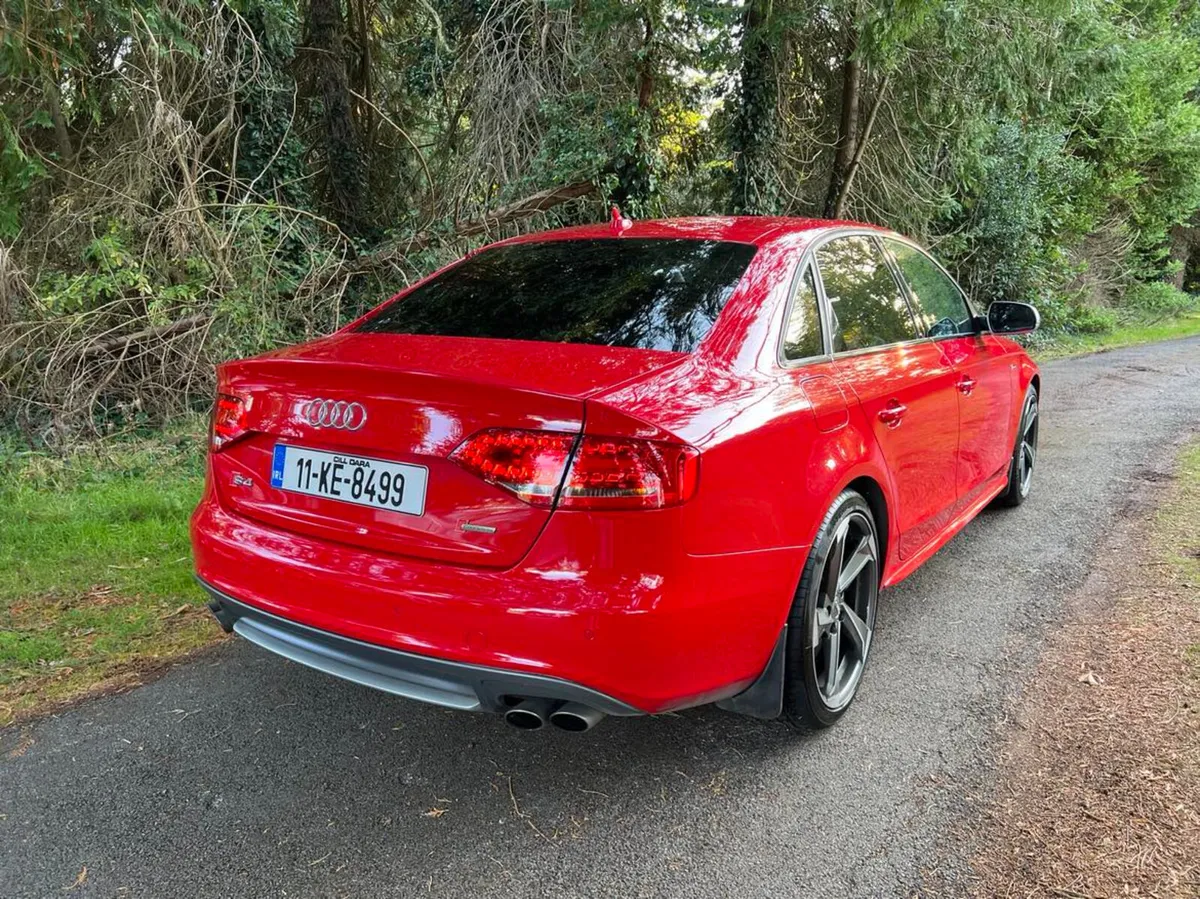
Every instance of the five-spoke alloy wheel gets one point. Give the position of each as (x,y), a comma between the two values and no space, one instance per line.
(1020,471)
(833,615)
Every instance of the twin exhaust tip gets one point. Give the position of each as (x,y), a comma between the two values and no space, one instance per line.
(532,714)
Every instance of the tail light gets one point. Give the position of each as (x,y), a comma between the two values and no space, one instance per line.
(529,463)
(228,420)
(583,472)
(617,473)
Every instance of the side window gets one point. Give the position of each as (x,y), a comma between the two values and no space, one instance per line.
(866,304)
(938,303)
(803,335)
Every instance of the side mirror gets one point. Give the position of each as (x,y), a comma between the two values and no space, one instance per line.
(1004,317)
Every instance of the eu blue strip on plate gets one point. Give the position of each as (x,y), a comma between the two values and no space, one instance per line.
(277,463)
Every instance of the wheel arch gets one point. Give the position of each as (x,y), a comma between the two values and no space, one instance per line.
(873,493)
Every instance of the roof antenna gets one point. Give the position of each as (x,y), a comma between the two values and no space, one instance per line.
(617,223)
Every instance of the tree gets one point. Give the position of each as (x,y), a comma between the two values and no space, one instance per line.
(324,55)
(756,188)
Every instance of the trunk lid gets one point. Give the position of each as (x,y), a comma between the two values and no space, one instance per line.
(422,396)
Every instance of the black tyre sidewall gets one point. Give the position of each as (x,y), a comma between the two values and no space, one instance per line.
(802,702)
(1012,495)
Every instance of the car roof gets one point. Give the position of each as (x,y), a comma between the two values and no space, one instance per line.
(753,229)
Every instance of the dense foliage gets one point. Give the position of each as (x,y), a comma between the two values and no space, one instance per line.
(185,180)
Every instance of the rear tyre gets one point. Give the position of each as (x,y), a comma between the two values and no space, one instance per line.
(1020,467)
(833,616)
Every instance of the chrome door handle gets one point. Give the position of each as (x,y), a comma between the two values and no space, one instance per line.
(965,385)
(893,414)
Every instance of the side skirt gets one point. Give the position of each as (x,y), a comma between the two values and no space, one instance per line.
(993,489)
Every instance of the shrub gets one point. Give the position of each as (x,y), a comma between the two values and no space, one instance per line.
(1073,316)
(1158,300)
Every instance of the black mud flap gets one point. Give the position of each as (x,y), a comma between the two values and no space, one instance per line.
(764,697)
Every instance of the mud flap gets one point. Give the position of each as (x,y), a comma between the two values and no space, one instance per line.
(764,697)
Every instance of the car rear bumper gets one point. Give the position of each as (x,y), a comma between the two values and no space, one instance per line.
(455,685)
(613,607)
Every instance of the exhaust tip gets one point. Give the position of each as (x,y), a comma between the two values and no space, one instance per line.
(523,719)
(529,714)
(575,717)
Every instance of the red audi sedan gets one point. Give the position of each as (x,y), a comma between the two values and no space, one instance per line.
(617,470)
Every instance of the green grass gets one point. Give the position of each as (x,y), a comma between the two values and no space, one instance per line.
(1061,346)
(95,571)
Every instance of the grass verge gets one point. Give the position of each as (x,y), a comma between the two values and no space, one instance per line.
(1099,793)
(95,570)
(1061,346)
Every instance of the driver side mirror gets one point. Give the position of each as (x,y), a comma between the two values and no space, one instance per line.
(1004,317)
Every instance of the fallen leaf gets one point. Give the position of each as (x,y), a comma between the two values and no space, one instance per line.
(80,880)
(435,812)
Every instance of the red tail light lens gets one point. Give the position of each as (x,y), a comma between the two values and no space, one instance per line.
(529,463)
(604,472)
(615,473)
(228,420)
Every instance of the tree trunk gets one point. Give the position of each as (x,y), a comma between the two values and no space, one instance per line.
(634,189)
(847,139)
(65,151)
(359,23)
(1184,243)
(839,206)
(755,181)
(345,163)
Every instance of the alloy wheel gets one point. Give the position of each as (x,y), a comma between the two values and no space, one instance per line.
(845,612)
(1027,452)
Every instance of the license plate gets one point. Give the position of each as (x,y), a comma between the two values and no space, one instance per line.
(393,486)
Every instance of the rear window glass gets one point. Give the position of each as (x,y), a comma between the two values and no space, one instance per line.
(652,294)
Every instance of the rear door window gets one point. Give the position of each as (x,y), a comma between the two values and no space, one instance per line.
(867,306)
(647,293)
(940,307)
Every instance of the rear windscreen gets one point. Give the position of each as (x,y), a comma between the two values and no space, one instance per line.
(652,294)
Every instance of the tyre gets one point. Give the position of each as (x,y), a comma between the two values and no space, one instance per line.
(1020,467)
(833,616)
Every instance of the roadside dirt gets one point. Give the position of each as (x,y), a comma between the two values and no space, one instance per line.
(1099,787)
(39,698)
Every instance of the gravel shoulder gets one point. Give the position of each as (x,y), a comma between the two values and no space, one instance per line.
(241,775)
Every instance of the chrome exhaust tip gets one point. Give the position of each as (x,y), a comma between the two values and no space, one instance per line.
(529,714)
(575,717)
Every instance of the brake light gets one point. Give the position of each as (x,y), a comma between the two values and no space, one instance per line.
(228,420)
(618,473)
(529,463)
(600,473)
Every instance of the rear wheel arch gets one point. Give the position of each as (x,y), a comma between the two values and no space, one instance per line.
(1033,380)
(873,493)
(764,698)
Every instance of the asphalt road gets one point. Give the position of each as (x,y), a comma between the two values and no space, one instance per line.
(243,775)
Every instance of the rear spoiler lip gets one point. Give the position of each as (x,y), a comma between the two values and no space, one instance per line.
(265,368)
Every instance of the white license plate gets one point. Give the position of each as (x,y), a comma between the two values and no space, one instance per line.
(393,486)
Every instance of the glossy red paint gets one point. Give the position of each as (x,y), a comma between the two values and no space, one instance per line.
(659,608)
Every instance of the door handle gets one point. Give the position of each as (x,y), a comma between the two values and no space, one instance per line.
(893,414)
(965,385)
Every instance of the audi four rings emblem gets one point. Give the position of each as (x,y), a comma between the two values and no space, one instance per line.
(330,414)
